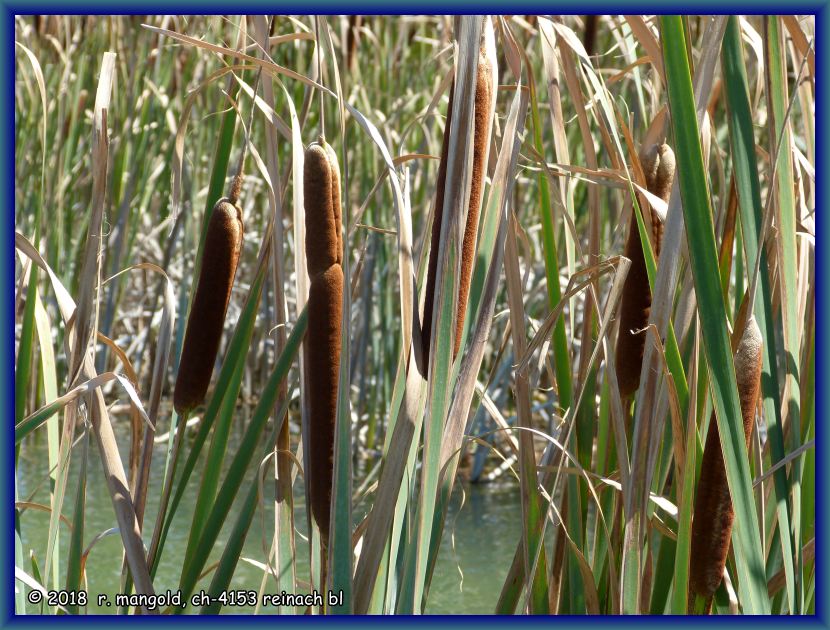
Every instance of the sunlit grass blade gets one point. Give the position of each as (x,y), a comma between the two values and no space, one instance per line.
(221,581)
(285,552)
(700,237)
(678,604)
(73,567)
(457,188)
(483,291)
(227,385)
(748,187)
(241,460)
(48,377)
(786,221)
(561,354)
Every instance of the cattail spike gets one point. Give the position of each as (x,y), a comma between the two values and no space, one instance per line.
(485,100)
(325,305)
(324,254)
(432,265)
(220,257)
(321,189)
(485,96)
(713,511)
(589,37)
(658,165)
(236,188)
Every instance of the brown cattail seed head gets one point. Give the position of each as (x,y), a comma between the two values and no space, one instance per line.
(589,38)
(485,94)
(432,265)
(321,190)
(324,253)
(220,256)
(355,22)
(325,307)
(658,164)
(713,513)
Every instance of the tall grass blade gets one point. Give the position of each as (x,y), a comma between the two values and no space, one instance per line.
(241,461)
(704,262)
(227,387)
(76,542)
(285,558)
(786,221)
(457,192)
(531,504)
(742,143)
(484,287)
(221,581)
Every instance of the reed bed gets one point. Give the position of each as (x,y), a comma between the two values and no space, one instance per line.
(563,261)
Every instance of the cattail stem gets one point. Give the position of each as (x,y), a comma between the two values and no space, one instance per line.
(324,254)
(713,511)
(236,184)
(659,165)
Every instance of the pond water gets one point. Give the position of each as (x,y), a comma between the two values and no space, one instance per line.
(479,538)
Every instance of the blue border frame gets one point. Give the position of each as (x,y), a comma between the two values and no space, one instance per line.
(7,339)
(7,59)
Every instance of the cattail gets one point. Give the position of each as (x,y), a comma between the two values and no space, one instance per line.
(713,513)
(207,315)
(321,187)
(485,94)
(324,253)
(658,164)
(589,38)
(78,114)
(432,268)
(355,22)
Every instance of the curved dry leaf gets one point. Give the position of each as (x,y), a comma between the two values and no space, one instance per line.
(39,507)
(41,85)
(270,115)
(267,66)
(648,41)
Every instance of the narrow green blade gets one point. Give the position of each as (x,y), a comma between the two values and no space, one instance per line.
(700,236)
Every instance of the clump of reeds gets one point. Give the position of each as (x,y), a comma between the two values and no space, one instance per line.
(485,95)
(658,165)
(324,253)
(220,256)
(713,512)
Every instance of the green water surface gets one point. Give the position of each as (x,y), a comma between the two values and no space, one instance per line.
(479,540)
